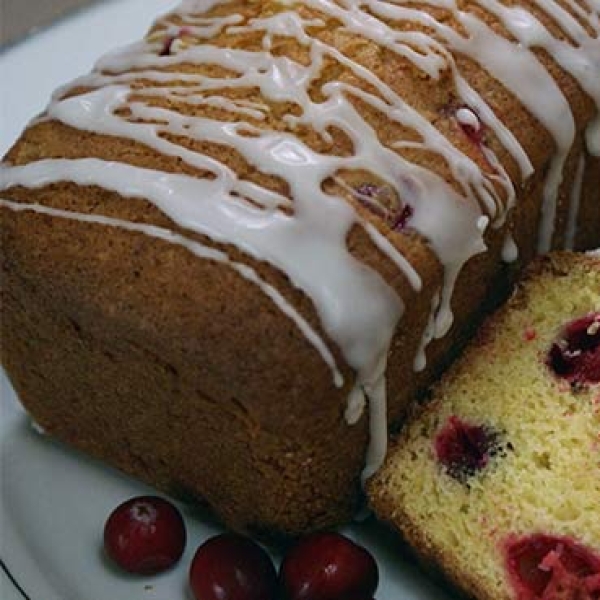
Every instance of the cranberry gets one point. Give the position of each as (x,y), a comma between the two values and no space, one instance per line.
(544,567)
(145,535)
(328,566)
(463,449)
(167,47)
(576,354)
(232,567)
(383,201)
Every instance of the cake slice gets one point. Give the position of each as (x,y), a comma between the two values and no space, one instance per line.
(496,477)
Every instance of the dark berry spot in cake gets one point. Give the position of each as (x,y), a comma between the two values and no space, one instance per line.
(575,355)
(383,201)
(465,449)
(546,567)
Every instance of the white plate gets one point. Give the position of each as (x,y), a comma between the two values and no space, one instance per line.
(53,501)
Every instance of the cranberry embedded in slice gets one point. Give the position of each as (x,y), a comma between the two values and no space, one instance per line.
(145,535)
(232,567)
(545,567)
(328,566)
(575,356)
(464,449)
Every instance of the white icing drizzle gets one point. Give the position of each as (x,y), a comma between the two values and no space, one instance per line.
(574,204)
(523,74)
(510,250)
(592,136)
(420,361)
(358,310)
(375,391)
(357,403)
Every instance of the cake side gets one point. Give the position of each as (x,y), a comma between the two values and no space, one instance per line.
(536,435)
(208,196)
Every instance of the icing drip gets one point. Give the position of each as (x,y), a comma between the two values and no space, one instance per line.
(375,391)
(420,361)
(304,236)
(592,136)
(510,250)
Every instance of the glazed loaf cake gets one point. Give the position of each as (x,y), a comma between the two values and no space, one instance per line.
(497,477)
(235,251)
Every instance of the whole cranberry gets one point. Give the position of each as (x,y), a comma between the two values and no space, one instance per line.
(232,567)
(145,535)
(465,448)
(328,566)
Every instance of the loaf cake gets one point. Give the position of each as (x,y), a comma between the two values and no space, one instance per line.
(235,251)
(497,476)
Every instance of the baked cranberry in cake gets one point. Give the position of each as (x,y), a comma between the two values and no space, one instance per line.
(232,567)
(464,449)
(384,202)
(470,124)
(328,566)
(546,567)
(145,535)
(575,356)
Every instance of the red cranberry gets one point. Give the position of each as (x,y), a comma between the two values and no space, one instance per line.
(382,201)
(145,535)
(545,567)
(576,354)
(232,567)
(464,449)
(328,566)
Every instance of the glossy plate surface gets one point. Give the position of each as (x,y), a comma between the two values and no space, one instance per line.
(53,501)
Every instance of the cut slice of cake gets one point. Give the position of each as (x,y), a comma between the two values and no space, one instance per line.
(496,478)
